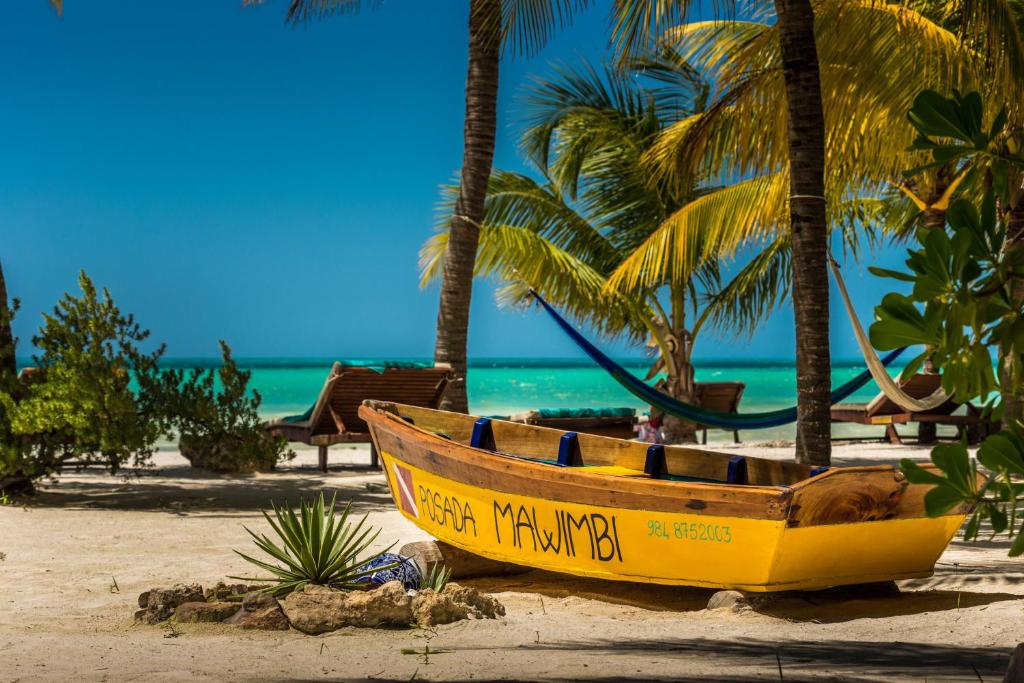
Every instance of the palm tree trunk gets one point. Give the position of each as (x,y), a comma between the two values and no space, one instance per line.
(8,362)
(680,385)
(464,233)
(806,132)
(1011,366)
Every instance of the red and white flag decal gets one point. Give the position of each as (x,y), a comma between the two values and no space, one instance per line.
(403,480)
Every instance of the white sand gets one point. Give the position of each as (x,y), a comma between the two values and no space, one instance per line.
(62,619)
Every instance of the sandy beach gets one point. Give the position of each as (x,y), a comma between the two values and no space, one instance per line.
(72,620)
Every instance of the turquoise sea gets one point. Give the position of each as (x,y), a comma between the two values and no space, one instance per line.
(500,386)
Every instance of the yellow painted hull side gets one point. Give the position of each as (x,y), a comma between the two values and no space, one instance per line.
(665,548)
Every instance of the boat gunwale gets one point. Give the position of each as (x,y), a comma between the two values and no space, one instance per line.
(581,471)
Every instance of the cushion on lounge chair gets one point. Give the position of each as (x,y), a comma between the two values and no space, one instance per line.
(569,413)
(382,365)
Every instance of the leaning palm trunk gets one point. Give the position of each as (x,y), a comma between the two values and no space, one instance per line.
(679,384)
(8,363)
(464,233)
(806,137)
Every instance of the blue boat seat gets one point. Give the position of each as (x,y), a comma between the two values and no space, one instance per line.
(655,466)
(737,472)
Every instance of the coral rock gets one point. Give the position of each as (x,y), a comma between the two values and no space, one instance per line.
(161,602)
(315,610)
(223,591)
(387,606)
(433,609)
(204,612)
(478,605)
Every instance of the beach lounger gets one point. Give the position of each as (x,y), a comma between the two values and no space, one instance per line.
(616,422)
(334,418)
(721,396)
(882,411)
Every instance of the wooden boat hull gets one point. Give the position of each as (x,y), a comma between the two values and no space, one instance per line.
(814,534)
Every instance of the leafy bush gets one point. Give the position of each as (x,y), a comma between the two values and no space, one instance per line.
(222,430)
(80,404)
(966,304)
(317,547)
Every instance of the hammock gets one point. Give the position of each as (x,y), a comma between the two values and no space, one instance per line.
(876,367)
(692,413)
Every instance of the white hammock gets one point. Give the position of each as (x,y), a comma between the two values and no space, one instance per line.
(886,383)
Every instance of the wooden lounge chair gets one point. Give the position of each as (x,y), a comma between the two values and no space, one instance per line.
(721,396)
(882,411)
(334,418)
(616,422)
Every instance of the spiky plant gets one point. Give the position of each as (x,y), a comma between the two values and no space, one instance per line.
(318,546)
(437,578)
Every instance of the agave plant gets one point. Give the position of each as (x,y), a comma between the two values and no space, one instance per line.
(436,579)
(318,546)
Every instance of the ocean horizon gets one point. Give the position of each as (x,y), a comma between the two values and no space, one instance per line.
(502,386)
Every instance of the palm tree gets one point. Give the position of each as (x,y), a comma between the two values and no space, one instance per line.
(587,135)
(805,138)
(522,26)
(748,132)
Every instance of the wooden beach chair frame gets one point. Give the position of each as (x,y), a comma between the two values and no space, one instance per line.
(334,418)
(884,412)
(721,396)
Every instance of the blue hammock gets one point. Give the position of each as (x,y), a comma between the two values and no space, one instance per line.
(687,411)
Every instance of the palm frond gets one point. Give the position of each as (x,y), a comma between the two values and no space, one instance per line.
(527,25)
(751,295)
(714,226)
(301,11)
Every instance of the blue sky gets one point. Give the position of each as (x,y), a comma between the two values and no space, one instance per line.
(227,176)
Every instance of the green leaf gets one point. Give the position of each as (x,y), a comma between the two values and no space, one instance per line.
(916,474)
(954,461)
(998,452)
(1018,546)
(999,518)
(942,499)
(894,274)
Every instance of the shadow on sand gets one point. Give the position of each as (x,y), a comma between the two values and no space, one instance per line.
(791,661)
(834,605)
(184,490)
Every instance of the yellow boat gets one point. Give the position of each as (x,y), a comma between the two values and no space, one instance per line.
(614,509)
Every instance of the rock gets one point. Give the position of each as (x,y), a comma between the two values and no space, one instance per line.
(734,600)
(223,591)
(478,605)
(260,611)
(161,602)
(318,609)
(315,609)
(204,612)
(386,607)
(433,609)
(257,600)
(266,619)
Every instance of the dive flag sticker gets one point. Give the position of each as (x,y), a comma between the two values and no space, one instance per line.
(403,480)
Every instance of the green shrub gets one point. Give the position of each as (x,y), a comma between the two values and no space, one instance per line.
(966,305)
(80,404)
(221,430)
